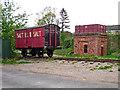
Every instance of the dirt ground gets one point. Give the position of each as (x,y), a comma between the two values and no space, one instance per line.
(76,70)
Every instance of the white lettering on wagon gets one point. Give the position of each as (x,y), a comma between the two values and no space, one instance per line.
(35,34)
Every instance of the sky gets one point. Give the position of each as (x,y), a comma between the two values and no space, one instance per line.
(80,12)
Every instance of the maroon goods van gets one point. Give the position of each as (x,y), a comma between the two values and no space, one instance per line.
(38,40)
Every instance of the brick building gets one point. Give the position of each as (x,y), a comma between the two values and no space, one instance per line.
(90,40)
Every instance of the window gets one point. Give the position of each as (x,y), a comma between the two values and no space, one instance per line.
(85,48)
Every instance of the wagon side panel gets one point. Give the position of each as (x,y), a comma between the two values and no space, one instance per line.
(20,39)
(38,39)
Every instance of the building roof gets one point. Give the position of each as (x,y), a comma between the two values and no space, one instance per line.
(112,27)
(35,27)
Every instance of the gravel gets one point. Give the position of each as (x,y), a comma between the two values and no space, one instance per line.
(77,71)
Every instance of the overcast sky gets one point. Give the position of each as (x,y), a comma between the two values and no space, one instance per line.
(80,12)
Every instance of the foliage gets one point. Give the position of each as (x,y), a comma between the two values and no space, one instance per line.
(0,19)
(113,44)
(67,40)
(63,36)
(64,19)
(47,16)
(10,22)
(68,43)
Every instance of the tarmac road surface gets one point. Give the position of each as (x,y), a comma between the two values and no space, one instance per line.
(20,79)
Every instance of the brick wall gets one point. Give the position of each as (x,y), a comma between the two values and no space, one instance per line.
(93,42)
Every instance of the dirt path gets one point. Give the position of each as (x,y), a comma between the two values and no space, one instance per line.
(79,70)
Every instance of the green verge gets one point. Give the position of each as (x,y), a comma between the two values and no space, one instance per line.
(65,53)
(13,61)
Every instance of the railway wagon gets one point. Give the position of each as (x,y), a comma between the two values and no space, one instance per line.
(38,40)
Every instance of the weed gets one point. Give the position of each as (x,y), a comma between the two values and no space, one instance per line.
(86,61)
(95,68)
(96,65)
(92,69)
(46,68)
(118,64)
(101,67)
(111,71)
(105,67)
(74,62)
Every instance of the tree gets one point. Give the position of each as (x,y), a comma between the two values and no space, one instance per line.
(10,22)
(64,19)
(47,16)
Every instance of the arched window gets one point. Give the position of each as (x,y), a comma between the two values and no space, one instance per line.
(85,48)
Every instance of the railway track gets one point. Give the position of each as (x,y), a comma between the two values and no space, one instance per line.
(80,59)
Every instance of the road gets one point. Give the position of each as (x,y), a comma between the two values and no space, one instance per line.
(20,79)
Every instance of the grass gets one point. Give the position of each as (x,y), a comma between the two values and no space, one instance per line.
(13,61)
(105,67)
(65,52)
(102,68)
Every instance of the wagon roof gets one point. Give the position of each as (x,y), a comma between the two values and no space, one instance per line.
(35,27)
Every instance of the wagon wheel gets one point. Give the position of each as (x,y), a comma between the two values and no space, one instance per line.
(40,53)
(24,53)
(50,53)
(33,52)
